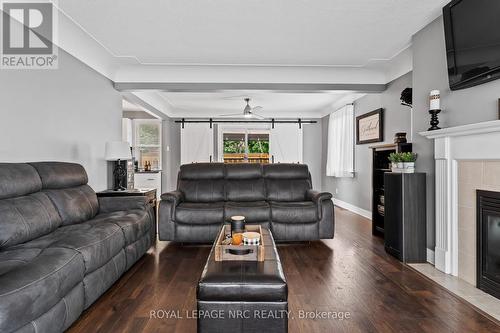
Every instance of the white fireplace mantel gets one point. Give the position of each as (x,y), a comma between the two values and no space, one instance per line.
(479,141)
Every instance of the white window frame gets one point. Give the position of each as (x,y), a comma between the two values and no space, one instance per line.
(239,129)
(135,137)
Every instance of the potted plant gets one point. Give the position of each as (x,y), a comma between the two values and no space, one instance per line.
(395,159)
(408,160)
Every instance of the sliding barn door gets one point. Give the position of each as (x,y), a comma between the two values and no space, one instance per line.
(197,143)
(285,143)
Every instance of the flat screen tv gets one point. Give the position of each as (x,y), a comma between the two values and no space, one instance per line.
(472,30)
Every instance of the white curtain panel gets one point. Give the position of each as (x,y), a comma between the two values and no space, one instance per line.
(340,159)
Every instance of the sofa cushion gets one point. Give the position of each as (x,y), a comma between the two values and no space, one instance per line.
(286,171)
(287,190)
(97,241)
(74,204)
(244,182)
(287,182)
(197,171)
(256,211)
(294,212)
(135,250)
(243,171)
(97,282)
(295,232)
(133,223)
(245,190)
(32,281)
(18,179)
(60,317)
(60,174)
(200,213)
(198,233)
(202,182)
(25,218)
(123,203)
(66,186)
(205,190)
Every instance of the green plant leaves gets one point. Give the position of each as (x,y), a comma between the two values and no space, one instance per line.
(402,157)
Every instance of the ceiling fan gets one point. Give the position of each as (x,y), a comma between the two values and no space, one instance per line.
(248,111)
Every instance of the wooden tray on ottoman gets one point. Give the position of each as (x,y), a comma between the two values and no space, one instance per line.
(228,252)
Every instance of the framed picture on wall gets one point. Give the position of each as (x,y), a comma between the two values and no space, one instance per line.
(370,127)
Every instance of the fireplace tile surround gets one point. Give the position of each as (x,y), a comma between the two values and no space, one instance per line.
(472,176)
(467,158)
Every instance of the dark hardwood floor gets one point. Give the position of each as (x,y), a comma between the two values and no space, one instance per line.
(351,273)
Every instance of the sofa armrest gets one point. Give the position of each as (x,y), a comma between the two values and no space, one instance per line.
(166,227)
(317,197)
(114,204)
(175,197)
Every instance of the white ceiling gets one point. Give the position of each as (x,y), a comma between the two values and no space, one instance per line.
(345,43)
(279,105)
(259,32)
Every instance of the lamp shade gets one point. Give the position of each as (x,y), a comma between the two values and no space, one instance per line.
(117,150)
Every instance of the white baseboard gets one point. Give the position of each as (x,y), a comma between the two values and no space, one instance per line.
(360,211)
(430,256)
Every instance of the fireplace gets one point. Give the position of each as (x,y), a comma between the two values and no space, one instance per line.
(488,242)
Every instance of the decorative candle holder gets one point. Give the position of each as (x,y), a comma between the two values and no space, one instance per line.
(237,224)
(435,108)
(434,120)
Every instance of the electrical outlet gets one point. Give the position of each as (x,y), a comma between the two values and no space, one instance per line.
(336,191)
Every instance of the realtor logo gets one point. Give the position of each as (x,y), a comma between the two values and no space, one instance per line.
(28,35)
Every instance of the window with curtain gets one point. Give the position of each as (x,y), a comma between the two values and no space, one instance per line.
(340,158)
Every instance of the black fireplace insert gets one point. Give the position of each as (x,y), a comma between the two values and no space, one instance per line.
(488,242)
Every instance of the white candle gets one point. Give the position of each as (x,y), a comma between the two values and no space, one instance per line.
(435,100)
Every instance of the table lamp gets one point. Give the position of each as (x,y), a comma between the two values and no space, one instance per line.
(116,151)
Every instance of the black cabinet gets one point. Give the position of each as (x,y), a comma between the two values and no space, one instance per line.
(405,216)
(381,165)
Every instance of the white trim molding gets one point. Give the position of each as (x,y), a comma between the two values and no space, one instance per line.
(355,209)
(469,142)
(470,129)
(430,256)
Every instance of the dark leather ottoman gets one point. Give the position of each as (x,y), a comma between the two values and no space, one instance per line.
(243,296)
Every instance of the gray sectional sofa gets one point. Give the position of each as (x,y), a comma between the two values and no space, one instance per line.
(60,246)
(277,196)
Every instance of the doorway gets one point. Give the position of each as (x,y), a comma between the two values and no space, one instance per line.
(243,145)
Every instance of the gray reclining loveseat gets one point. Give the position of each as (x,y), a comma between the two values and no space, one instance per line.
(60,246)
(277,196)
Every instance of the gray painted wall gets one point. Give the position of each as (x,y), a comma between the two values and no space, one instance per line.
(357,190)
(312,153)
(171,154)
(461,107)
(66,114)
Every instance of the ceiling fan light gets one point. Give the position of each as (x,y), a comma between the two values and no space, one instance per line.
(247,115)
